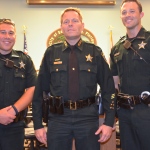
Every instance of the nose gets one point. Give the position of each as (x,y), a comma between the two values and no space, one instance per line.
(70,23)
(7,35)
(128,13)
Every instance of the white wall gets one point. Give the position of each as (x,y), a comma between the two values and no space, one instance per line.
(42,20)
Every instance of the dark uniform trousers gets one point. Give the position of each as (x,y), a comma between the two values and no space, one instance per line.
(132,127)
(63,128)
(12,136)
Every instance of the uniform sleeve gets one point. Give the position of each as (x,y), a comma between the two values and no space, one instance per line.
(113,65)
(31,74)
(106,82)
(42,84)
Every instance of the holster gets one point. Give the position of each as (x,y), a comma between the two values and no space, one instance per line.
(124,101)
(59,105)
(56,105)
(146,101)
(52,104)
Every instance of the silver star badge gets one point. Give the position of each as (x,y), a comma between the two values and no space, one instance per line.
(89,58)
(142,45)
(22,65)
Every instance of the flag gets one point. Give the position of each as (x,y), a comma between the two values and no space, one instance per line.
(111,40)
(25,50)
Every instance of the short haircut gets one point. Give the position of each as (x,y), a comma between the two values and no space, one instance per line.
(71,9)
(136,1)
(7,21)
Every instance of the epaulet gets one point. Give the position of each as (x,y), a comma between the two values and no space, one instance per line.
(148,31)
(21,52)
(57,43)
(122,39)
(88,42)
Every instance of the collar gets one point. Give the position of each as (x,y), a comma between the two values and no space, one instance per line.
(140,35)
(78,45)
(14,54)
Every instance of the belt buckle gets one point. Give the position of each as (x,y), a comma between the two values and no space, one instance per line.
(75,105)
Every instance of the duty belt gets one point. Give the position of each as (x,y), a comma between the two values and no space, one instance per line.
(129,101)
(20,116)
(56,105)
(79,104)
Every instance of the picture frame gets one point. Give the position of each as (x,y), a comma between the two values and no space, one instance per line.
(68,2)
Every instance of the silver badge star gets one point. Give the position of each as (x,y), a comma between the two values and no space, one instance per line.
(22,65)
(89,58)
(142,45)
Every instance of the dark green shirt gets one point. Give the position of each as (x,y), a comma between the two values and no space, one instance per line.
(133,68)
(14,81)
(93,70)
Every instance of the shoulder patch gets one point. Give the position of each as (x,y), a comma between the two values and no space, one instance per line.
(87,42)
(148,31)
(58,43)
(102,54)
(122,39)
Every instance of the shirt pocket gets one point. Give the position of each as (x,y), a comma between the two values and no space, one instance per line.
(119,61)
(19,80)
(88,74)
(58,74)
(142,64)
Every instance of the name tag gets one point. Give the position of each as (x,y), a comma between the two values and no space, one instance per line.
(57,62)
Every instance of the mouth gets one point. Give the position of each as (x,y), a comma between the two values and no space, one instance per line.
(70,30)
(128,20)
(6,42)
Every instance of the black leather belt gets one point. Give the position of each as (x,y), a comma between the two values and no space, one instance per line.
(79,104)
(128,101)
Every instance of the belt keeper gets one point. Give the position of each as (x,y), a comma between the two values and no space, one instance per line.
(15,109)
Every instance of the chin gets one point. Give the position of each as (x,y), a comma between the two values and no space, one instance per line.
(72,37)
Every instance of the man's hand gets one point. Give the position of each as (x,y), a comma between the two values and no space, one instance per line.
(6,117)
(105,132)
(41,135)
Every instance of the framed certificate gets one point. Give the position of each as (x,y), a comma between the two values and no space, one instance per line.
(65,2)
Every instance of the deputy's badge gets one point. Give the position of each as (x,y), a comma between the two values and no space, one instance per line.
(89,58)
(142,45)
(22,65)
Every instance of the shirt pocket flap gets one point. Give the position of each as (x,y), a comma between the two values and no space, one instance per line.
(58,68)
(19,75)
(88,68)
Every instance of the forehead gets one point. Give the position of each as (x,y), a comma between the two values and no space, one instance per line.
(129,5)
(70,14)
(4,26)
